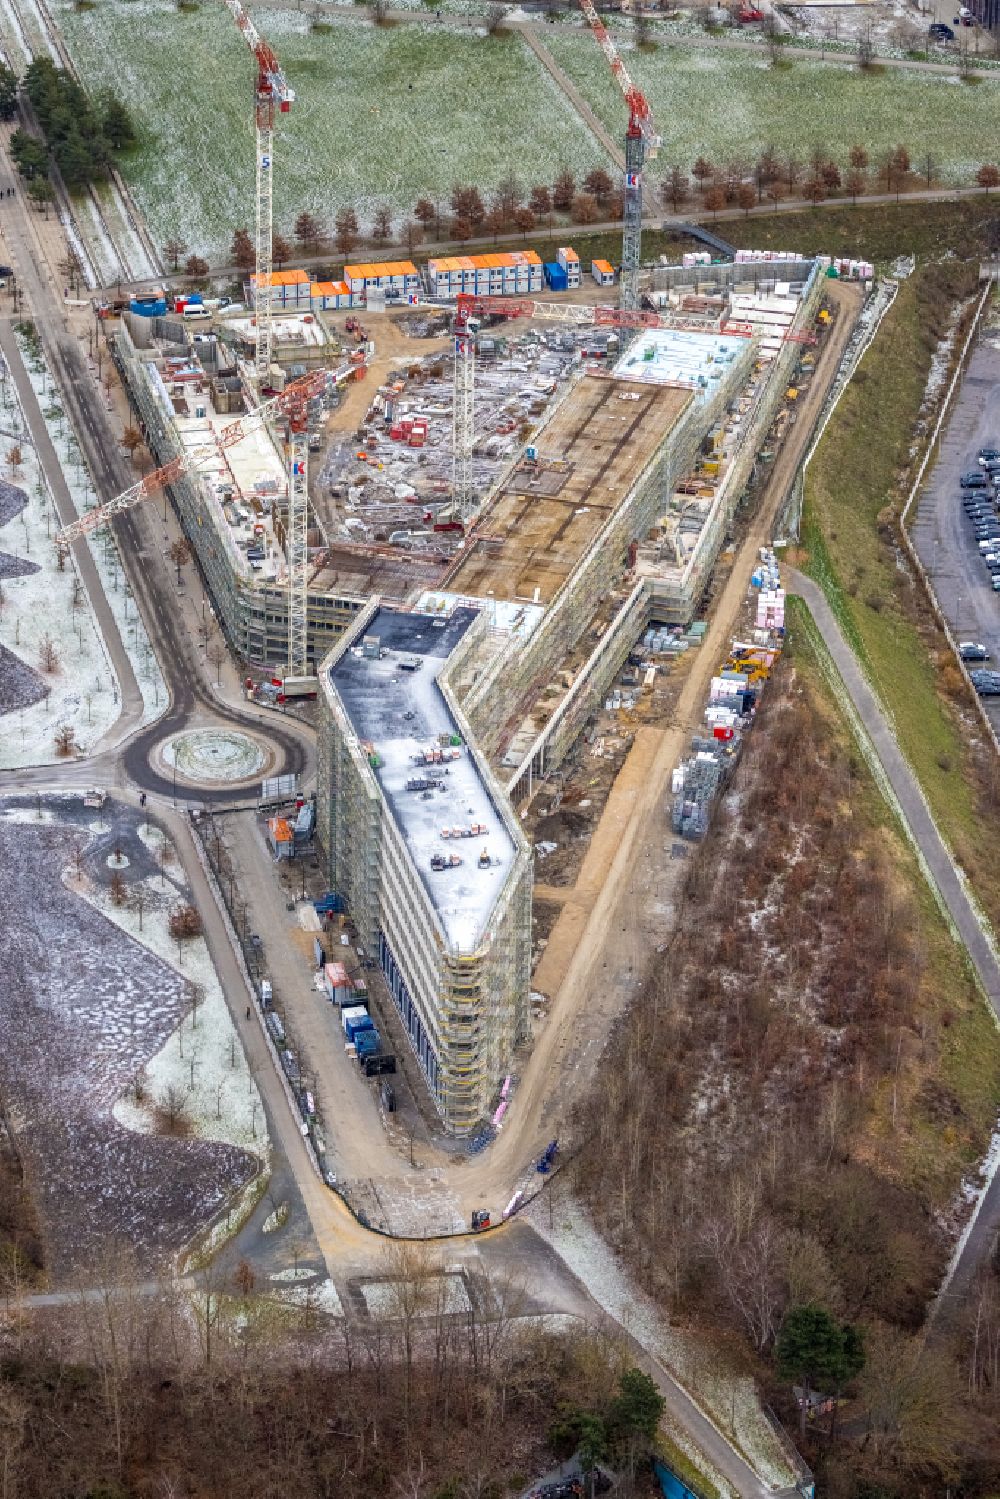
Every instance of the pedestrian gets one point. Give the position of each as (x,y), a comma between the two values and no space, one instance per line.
(248,1012)
(142,798)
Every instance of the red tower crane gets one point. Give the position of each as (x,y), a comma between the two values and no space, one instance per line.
(641,141)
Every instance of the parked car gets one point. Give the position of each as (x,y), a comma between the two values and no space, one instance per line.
(996,584)
(974,480)
(989,455)
(939,32)
(973,650)
(986,683)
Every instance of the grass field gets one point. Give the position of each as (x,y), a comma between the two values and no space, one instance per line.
(381,115)
(927,1151)
(852,493)
(728,107)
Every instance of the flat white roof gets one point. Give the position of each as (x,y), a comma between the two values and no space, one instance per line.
(286,327)
(398,712)
(663,356)
(506,616)
(254,458)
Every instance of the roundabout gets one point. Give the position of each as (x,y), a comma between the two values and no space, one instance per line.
(213,757)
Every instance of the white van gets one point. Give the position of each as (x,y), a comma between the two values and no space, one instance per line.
(196,311)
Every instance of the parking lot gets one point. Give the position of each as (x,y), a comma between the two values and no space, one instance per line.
(942,533)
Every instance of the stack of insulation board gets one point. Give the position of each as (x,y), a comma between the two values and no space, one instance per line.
(744,257)
(336,982)
(771,609)
(848,270)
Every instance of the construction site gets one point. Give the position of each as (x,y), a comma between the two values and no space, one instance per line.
(472,523)
(560,478)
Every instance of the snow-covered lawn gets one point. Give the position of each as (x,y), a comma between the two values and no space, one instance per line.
(445,1293)
(38,604)
(732,1402)
(83,1007)
(726,106)
(202,1060)
(103,547)
(382,115)
(321,1296)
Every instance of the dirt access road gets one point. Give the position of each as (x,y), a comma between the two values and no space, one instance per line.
(394,347)
(623,904)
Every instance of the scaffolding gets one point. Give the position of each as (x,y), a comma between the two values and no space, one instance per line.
(464,1010)
(254,615)
(510,677)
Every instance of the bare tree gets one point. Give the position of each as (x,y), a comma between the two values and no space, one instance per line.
(65,741)
(139,901)
(48,655)
(180,554)
(174,250)
(382,229)
(172,1109)
(216,655)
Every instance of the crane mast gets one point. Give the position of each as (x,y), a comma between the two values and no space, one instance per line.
(462,410)
(273,93)
(641,141)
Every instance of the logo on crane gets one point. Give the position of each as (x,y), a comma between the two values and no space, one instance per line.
(631,179)
(298,468)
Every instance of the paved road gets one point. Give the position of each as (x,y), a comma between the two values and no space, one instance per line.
(941,531)
(131,695)
(654,218)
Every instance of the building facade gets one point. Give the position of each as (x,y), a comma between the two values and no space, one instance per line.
(422,844)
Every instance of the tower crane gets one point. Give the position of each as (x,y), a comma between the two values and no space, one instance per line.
(271,90)
(641,141)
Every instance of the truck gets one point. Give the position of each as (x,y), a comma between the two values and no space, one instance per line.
(95,797)
(295,688)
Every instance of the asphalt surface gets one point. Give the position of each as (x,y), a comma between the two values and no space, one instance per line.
(941,531)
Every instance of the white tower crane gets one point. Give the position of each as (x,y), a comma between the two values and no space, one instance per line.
(272,89)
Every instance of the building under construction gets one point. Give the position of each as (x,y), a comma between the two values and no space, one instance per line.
(426,851)
(609,514)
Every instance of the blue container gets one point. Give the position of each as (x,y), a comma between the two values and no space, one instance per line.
(555,275)
(148,306)
(355,1027)
(368,1043)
